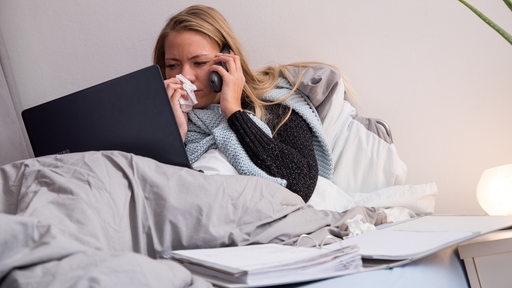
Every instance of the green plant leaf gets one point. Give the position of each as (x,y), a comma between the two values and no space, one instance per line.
(489,22)
(508,3)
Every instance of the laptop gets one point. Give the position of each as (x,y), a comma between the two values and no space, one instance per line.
(130,113)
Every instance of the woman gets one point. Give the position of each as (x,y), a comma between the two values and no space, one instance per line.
(251,120)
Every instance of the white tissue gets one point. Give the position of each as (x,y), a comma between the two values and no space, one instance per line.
(186,105)
(357,226)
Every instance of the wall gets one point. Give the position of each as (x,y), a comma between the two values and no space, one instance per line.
(436,73)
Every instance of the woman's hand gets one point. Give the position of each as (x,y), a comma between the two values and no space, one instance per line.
(233,82)
(175,91)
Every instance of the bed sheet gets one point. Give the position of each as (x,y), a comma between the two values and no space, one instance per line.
(100,218)
(63,215)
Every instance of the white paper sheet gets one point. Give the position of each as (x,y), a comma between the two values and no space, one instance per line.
(425,235)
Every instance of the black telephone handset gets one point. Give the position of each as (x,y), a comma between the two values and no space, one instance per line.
(215,78)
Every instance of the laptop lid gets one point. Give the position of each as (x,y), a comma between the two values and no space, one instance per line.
(130,113)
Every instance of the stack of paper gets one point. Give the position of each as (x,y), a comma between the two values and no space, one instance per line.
(388,246)
(423,236)
(270,264)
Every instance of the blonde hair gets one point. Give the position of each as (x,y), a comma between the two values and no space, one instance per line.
(210,22)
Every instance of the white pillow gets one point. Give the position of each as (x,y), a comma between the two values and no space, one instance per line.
(328,196)
(420,199)
(213,162)
(363,162)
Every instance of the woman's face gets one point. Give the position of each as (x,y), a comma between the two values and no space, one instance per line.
(191,54)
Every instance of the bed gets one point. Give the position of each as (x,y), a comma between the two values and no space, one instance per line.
(110,218)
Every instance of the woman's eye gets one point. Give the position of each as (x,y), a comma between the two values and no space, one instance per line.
(171,66)
(200,63)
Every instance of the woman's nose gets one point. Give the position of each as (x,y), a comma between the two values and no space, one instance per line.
(188,72)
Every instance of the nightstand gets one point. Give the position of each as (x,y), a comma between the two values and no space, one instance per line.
(487,259)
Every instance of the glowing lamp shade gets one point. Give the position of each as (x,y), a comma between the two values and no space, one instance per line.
(494,190)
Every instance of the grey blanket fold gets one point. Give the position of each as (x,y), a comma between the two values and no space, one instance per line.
(63,215)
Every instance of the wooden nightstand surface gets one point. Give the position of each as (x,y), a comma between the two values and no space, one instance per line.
(487,259)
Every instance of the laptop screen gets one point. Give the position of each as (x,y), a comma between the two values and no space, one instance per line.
(130,113)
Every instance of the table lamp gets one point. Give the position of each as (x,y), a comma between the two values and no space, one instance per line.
(494,190)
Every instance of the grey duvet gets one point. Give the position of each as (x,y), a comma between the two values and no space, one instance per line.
(109,219)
